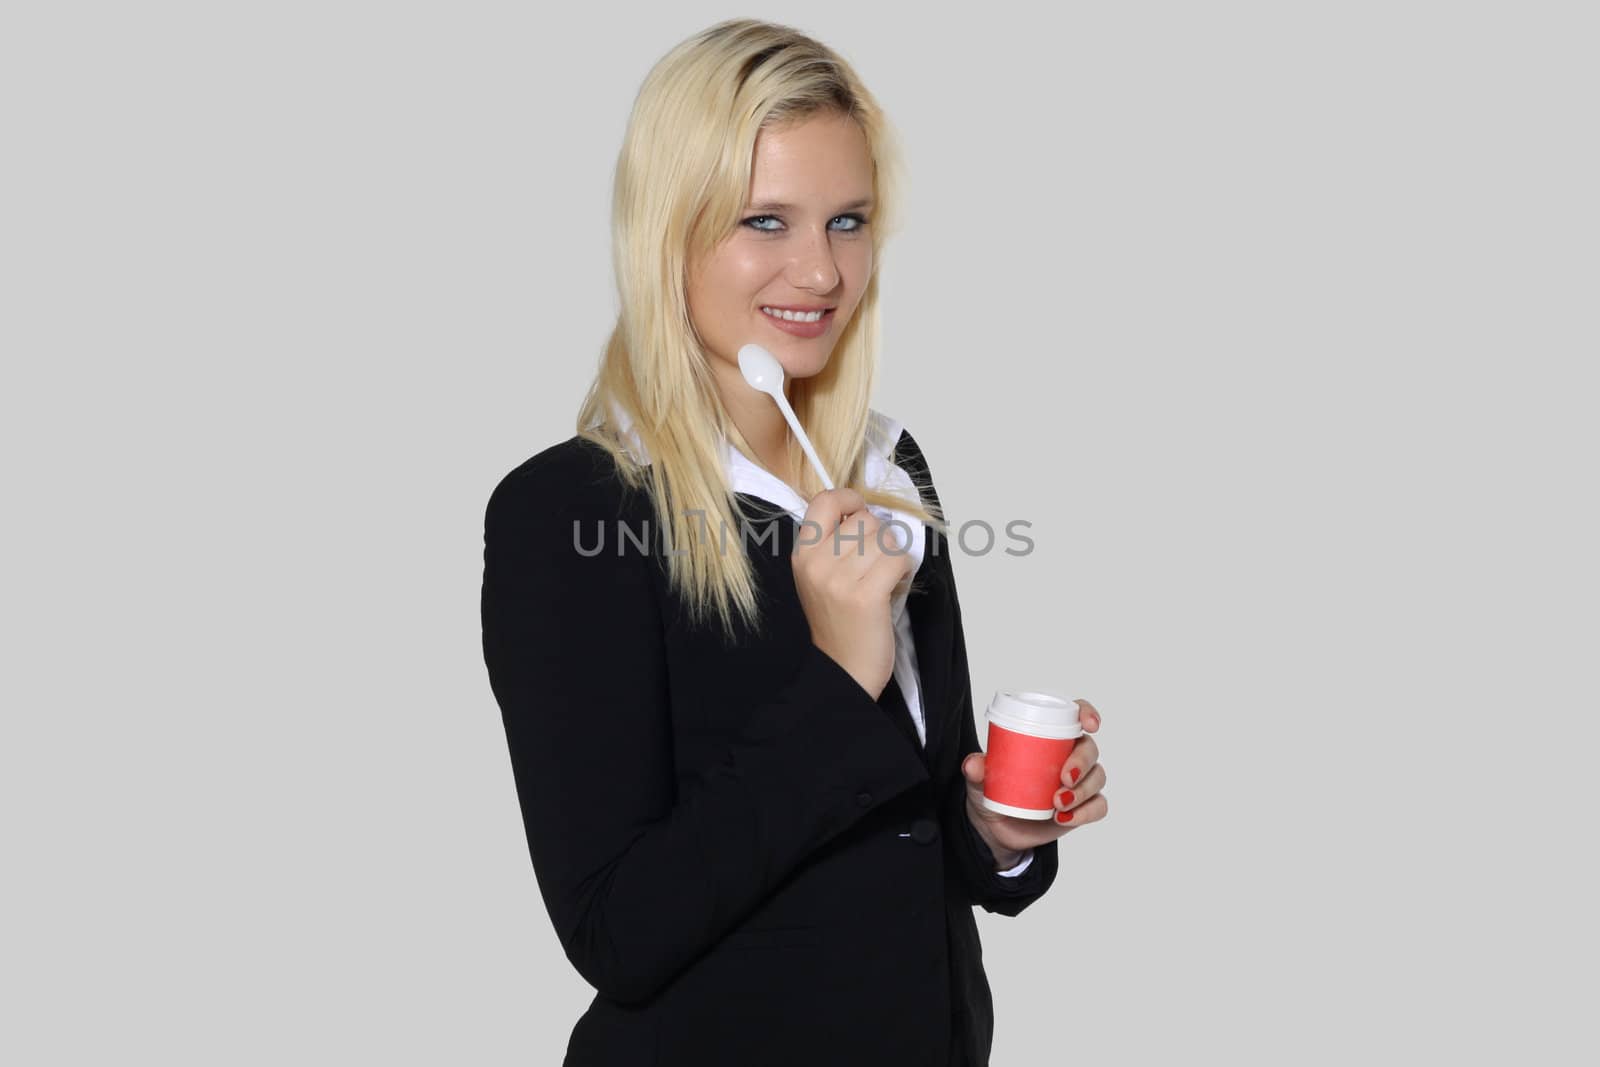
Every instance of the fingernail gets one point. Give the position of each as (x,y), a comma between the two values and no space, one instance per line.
(1065,798)
(1063,816)
(1075,773)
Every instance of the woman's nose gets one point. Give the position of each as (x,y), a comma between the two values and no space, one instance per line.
(814,267)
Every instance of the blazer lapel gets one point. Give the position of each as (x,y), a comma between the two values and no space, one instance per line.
(933,630)
(893,702)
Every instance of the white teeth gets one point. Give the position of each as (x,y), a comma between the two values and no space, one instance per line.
(794,316)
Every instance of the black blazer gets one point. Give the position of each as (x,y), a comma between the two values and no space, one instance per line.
(752,861)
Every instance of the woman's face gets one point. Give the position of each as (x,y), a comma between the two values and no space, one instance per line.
(802,242)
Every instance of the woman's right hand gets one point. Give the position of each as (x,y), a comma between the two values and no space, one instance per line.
(846,582)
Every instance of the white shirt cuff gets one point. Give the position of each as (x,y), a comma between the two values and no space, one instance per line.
(1027,858)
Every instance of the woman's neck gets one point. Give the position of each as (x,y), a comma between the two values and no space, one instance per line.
(760,422)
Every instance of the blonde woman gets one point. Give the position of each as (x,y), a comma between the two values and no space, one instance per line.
(737,704)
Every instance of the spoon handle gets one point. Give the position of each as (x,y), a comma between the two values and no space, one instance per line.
(800,435)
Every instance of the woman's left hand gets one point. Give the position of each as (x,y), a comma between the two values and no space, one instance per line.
(1080,799)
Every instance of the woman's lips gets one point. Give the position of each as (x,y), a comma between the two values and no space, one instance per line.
(801,329)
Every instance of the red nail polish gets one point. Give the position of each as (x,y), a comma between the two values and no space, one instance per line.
(1066,797)
(1063,816)
(1075,773)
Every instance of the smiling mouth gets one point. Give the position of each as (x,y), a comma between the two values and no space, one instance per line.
(798,316)
(805,329)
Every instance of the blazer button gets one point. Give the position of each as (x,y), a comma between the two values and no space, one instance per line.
(863,799)
(924,831)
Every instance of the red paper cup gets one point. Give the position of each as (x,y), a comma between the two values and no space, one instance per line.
(1030,737)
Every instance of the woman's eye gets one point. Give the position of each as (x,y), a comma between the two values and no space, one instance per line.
(752,222)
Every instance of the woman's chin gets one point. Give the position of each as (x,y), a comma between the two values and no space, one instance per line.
(803,364)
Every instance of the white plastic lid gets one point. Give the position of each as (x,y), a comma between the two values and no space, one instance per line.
(1040,713)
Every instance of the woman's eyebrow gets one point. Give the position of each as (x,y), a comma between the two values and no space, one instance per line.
(773,205)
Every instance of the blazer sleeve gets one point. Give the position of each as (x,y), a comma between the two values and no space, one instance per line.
(986,887)
(639,880)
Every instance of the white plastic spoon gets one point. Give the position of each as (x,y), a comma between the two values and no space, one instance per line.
(763,371)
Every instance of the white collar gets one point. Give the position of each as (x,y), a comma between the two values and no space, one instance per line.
(745,476)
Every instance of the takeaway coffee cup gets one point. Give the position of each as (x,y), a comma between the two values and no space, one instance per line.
(1030,737)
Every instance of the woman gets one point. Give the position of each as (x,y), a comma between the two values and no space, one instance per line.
(743,745)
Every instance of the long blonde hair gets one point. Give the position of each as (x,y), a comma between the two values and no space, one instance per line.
(682,178)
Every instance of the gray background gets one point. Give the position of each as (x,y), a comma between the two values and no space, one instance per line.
(1268,316)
